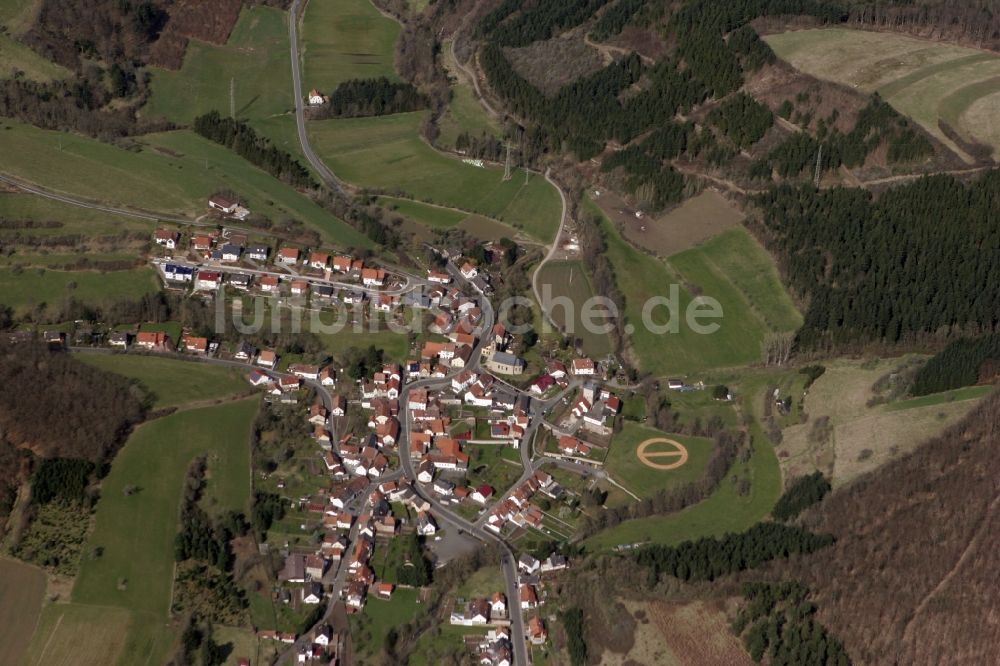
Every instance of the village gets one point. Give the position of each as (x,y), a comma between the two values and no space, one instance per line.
(449,443)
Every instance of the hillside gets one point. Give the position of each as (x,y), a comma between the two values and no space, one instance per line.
(911,577)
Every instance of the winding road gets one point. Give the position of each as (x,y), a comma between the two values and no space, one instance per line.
(324,172)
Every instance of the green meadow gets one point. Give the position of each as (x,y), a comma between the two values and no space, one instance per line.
(750,308)
(136,532)
(23,289)
(386,153)
(126,577)
(172,382)
(345,39)
(256,58)
(625,467)
(16,17)
(171,172)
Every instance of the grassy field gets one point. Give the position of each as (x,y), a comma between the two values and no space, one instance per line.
(369,628)
(864,436)
(83,635)
(386,153)
(725,510)
(28,288)
(134,571)
(487,464)
(464,113)
(16,17)
(22,206)
(568,279)
(171,382)
(256,57)
(345,39)
(925,80)
(752,303)
(23,588)
(431,216)
(171,172)
(625,467)
(736,265)
(120,600)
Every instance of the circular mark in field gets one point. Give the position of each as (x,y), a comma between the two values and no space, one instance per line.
(662,448)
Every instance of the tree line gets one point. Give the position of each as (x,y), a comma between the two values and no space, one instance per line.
(917,263)
(801,494)
(963,362)
(373,97)
(256,149)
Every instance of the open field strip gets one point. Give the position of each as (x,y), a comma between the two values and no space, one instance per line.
(74,219)
(256,59)
(172,172)
(464,113)
(172,382)
(121,597)
(387,153)
(734,260)
(928,81)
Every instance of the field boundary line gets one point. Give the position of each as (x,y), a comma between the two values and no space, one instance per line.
(55,630)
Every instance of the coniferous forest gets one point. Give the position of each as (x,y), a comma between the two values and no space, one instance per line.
(917,263)
(256,149)
(374,97)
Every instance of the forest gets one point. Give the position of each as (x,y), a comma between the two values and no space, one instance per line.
(256,149)
(963,362)
(913,571)
(779,622)
(96,409)
(896,269)
(373,97)
(708,558)
(876,124)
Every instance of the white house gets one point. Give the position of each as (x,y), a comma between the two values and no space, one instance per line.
(316,98)
(167,238)
(222,203)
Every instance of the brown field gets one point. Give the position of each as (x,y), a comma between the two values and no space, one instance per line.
(23,587)
(692,634)
(693,222)
(551,64)
(485,228)
(648,644)
(697,633)
(79,635)
(193,19)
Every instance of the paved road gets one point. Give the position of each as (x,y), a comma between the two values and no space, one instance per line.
(300,118)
